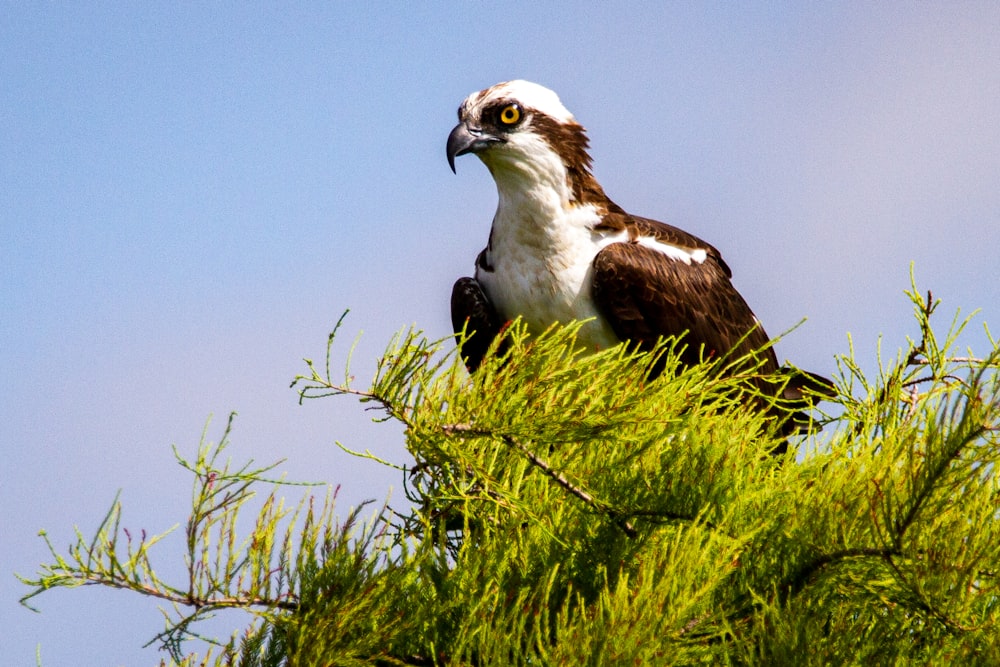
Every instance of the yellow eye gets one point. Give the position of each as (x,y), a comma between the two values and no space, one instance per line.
(510,114)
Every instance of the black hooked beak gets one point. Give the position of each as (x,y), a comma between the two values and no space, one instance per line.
(464,139)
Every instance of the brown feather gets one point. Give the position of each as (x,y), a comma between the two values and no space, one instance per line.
(647,296)
(472,311)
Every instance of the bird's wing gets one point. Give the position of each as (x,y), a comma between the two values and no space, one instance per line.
(646,294)
(472,311)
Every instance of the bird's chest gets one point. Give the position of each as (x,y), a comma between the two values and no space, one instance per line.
(546,279)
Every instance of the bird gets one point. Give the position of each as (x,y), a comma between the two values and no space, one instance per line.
(560,250)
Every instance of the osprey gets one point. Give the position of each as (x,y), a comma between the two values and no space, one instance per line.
(560,250)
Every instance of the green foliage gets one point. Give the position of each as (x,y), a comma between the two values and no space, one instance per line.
(565,510)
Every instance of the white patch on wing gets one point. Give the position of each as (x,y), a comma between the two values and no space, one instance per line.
(686,255)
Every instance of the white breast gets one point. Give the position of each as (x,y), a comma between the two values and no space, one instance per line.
(543,273)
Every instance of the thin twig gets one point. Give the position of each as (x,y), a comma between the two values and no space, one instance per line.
(953,360)
(186,599)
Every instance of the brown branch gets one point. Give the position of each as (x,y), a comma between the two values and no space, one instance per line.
(554,475)
(799,579)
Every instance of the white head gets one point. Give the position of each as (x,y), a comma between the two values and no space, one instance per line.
(529,95)
(526,137)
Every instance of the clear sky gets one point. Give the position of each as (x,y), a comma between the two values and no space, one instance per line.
(191,195)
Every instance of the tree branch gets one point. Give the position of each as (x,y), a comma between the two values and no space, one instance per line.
(554,475)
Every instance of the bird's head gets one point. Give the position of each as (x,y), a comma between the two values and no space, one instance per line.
(521,130)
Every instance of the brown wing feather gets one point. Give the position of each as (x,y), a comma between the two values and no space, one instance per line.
(646,295)
(473,311)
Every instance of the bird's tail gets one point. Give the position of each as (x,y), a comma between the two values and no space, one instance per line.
(799,391)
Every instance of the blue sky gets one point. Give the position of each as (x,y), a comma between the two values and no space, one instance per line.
(190,197)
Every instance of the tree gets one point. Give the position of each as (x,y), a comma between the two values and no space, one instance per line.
(564,510)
